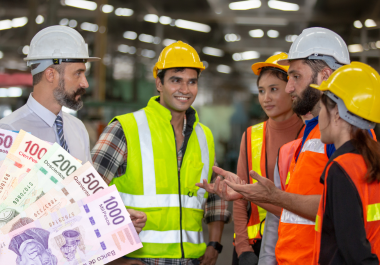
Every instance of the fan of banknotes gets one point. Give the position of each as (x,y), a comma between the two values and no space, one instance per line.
(54,210)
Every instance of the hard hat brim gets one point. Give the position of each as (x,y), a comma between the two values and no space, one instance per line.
(322,87)
(256,67)
(89,59)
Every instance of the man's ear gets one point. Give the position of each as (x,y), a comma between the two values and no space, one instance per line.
(50,74)
(158,84)
(326,72)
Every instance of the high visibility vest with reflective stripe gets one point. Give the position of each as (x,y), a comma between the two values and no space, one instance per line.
(174,206)
(356,169)
(296,234)
(285,156)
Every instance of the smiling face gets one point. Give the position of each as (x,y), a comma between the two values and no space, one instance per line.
(71,86)
(179,89)
(272,96)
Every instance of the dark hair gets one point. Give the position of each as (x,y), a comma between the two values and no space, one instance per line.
(280,74)
(367,147)
(161,73)
(60,68)
(316,66)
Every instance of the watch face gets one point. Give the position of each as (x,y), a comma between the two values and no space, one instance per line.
(6,214)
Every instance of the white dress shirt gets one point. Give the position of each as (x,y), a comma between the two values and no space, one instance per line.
(40,122)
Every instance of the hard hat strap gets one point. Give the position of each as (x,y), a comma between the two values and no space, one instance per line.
(331,62)
(45,63)
(348,116)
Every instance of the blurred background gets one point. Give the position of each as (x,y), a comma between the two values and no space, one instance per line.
(129,35)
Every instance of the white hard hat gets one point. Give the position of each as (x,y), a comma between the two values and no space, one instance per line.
(319,44)
(57,44)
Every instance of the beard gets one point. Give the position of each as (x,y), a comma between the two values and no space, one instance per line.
(66,99)
(309,98)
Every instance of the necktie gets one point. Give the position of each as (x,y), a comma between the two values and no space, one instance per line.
(59,125)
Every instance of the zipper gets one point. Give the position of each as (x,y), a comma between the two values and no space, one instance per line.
(179,194)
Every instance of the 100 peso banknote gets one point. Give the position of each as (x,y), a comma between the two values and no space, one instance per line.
(23,155)
(82,183)
(54,167)
(95,230)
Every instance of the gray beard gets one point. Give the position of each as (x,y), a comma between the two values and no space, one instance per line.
(66,99)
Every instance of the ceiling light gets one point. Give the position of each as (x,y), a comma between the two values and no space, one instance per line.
(124,12)
(148,53)
(5,24)
(123,48)
(146,38)
(277,52)
(273,33)
(205,64)
(270,21)
(40,19)
(25,49)
(185,24)
(284,6)
(132,50)
(377,45)
(355,48)
(164,20)
(167,42)
(156,40)
(225,69)
(107,8)
(89,5)
(249,55)
(14,92)
(89,27)
(3,92)
(244,5)
(19,22)
(64,22)
(358,24)
(291,38)
(232,37)
(151,18)
(256,33)
(213,51)
(130,35)
(73,23)
(1,54)
(369,23)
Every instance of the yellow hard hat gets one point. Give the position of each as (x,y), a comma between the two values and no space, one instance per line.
(178,54)
(271,62)
(358,86)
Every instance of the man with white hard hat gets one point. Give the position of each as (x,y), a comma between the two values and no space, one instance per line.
(57,57)
(313,57)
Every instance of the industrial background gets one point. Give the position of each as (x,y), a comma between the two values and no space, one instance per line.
(129,35)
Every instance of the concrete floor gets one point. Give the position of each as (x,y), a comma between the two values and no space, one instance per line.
(225,258)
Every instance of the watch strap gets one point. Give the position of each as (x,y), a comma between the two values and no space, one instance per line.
(218,247)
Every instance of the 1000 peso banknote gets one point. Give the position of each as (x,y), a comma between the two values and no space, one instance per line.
(95,230)
(23,155)
(54,167)
(82,183)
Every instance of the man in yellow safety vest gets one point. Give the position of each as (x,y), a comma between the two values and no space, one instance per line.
(155,156)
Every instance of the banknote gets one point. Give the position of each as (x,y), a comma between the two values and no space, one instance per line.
(6,140)
(54,167)
(93,231)
(22,156)
(82,183)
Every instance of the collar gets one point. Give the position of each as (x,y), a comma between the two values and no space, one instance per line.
(346,148)
(164,113)
(46,115)
(312,122)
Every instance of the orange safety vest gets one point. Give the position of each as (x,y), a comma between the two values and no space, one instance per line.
(296,234)
(356,169)
(285,156)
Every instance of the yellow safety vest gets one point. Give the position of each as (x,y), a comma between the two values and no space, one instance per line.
(174,206)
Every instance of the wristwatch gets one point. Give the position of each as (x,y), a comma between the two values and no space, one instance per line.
(216,245)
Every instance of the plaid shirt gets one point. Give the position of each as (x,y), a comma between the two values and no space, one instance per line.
(109,156)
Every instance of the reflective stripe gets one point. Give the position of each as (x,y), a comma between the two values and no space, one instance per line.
(205,156)
(317,220)
(287,178)
(314,145)
(172,236)
(373,212)
(257,138)
(292,218)
(253,230)
(162,200)
(146,147)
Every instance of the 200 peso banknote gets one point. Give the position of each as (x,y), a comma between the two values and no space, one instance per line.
(82,183)
(95,230)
